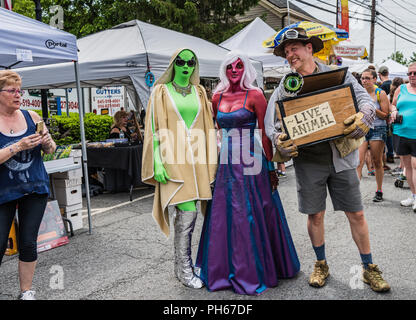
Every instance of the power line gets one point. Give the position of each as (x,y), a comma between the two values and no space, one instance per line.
(398,35)
(394,21)
(383,15)
(390,26)
(334,6)
(409,4)
(368,7)
(407,9)
(366,20)
(329,11)
(316,7)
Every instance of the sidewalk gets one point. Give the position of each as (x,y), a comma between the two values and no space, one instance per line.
(128,257)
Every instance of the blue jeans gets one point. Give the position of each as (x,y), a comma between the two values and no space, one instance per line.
(378,133)
(30,213)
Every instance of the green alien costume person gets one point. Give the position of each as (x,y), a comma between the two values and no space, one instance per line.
(180,154)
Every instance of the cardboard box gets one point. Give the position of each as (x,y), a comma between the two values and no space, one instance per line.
(76,153)
(75,207)
(68,196)
(318,115)
(71,174)
(67,183)
(58,163)
(77,160)
(76,219)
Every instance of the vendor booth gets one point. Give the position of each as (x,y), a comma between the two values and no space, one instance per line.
(133,54)
(25,42)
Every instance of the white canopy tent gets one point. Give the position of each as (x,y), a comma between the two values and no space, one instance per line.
(27,42)
(355,65)
(249,40)
(395,69)
(123,54)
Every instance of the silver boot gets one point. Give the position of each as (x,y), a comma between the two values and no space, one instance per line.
(184,226)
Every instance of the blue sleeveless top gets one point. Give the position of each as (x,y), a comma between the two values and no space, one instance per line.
(24,173)
(406,105)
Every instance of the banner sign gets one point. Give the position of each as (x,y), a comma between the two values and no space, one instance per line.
(342,15)
(349,51)
(107,100)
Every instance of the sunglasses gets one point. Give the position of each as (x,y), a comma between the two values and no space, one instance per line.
(14,91)
(180,62)
(411,74)
(293,34)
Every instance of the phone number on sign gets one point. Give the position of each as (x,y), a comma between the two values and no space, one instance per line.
(30,103)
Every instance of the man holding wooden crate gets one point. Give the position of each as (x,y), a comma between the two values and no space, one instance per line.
(330,163)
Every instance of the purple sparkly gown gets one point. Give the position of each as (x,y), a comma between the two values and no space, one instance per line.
(245,243)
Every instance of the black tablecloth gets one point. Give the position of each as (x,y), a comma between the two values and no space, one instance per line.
(122,166)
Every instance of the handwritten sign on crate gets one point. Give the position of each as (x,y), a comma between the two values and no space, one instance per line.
(317,116)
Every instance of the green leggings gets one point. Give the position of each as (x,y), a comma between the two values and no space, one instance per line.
(187,206)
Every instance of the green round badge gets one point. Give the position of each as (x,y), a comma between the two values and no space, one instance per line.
(293,82)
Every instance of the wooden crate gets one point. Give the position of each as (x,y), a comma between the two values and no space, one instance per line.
(317,116)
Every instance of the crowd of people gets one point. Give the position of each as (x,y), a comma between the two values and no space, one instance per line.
(394,129)
(245,244)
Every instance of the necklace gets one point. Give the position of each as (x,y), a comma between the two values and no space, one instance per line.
(184,91)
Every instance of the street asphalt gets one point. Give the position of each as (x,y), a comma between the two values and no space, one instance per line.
(126,257)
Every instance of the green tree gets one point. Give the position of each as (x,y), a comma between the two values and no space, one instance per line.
(208,19)
(398,56)
(412,58)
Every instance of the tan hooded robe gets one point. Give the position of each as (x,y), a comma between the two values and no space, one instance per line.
(188,155)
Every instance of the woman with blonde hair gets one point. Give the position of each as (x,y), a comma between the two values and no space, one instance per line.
(119,126)
(24,182)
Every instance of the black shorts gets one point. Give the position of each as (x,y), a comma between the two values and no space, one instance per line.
(404,146)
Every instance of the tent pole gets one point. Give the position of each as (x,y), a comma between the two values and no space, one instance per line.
(83,144)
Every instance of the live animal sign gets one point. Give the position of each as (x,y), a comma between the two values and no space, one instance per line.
(317,116)
(309,121)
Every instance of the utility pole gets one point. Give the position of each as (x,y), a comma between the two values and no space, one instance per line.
(395,36)
(373,23)
(43,92)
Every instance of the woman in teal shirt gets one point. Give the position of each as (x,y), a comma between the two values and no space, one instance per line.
(404,137)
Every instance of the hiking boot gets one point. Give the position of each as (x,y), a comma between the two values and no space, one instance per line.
(319,274)
(372,276)
(378,197)
(408,202)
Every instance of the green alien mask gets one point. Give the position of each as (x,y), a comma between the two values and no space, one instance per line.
(184,66)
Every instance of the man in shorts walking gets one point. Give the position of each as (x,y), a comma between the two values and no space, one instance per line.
(321,165)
